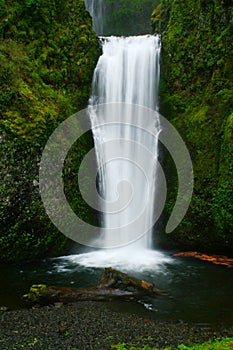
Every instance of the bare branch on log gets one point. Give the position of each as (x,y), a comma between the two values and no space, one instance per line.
(215,259)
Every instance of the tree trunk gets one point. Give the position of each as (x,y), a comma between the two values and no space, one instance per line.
(113,285)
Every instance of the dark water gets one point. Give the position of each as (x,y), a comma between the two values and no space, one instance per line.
(203,293)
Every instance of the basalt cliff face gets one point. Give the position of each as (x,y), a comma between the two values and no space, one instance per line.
(197,97)
(48,54)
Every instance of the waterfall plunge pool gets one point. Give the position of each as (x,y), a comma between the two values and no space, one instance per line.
(202,291)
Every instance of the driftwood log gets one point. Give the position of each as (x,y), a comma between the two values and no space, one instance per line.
(215,259)
(113,285)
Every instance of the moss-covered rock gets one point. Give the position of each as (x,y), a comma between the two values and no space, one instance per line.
(197,97)
(48,52)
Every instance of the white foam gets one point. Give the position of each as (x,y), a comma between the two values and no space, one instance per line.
(140,260)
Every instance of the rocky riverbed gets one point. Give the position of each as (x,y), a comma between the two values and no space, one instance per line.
(97,325)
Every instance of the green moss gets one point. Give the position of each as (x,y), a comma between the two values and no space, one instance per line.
(222,344)
(197,97)
(48,52)
(35,292)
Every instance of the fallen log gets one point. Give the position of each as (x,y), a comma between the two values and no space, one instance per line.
(215,259)
(113,285)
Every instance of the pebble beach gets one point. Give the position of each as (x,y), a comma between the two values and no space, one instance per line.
(97,325)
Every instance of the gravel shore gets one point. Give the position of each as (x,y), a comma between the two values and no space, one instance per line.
(95,325)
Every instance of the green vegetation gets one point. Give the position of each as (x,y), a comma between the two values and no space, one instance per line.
(48,52)
(197,97)
(223,344)
(28,343)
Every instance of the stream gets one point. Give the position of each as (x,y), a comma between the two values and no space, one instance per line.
(202,292)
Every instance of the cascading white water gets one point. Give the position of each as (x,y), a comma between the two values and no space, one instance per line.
(96,10)
(124,97)
(127,72)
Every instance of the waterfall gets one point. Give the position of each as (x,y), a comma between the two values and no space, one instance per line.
(96,10)
(127,73)
(123,109)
